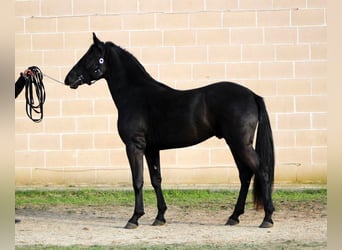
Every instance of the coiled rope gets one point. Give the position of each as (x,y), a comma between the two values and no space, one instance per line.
(34,84)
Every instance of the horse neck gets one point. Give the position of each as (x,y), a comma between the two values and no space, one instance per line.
(125,74)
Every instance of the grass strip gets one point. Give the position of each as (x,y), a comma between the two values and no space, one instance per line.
(182,198)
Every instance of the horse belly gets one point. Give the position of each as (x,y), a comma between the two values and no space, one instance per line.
(180,121)
(178,136)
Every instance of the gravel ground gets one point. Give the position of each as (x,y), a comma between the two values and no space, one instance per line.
(88,226)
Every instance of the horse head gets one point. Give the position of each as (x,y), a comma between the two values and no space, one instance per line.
(90,68)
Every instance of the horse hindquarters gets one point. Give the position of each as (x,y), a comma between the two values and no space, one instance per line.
(236,119)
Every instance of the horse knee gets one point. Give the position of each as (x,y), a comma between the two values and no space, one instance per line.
(138,184)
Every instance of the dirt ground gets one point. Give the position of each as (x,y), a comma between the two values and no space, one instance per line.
(88,226)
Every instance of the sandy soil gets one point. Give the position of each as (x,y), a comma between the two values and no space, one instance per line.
(88,226)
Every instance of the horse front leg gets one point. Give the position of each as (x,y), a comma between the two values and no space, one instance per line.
(135,156)
(153,161)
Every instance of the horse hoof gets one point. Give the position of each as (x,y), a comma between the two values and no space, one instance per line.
(131,225)
(266,224)
(158,223)
(232,222)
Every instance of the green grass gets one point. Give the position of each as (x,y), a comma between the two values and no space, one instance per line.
(182,198)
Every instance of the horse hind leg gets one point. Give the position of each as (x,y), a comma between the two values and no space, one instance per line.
(265,190)
(245,176)
(248,157)
(248,164)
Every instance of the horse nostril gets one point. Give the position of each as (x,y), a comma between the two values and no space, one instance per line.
(67,80)
(70,78)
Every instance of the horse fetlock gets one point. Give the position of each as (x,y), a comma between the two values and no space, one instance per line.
(162,209)
(160,217)
(137,215)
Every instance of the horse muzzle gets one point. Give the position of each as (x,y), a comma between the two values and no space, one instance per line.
(72,82)
(78,82)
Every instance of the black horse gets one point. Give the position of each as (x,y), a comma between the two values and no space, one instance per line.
(154,117)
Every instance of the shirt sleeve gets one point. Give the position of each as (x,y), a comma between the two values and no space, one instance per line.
(19,85)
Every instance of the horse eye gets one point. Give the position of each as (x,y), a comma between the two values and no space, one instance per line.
(101,60)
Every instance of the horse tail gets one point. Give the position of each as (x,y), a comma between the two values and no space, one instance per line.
(265,149)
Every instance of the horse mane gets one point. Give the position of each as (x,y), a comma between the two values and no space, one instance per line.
(131,63)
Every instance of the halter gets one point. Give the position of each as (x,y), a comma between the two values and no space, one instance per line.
(80,78)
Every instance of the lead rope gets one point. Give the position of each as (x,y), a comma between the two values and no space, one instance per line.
(53,79)
(34,83)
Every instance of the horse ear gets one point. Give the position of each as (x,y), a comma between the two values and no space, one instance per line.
(97,41)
